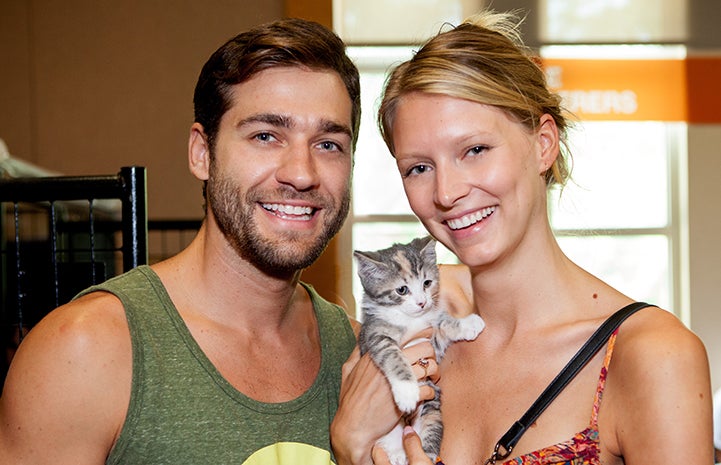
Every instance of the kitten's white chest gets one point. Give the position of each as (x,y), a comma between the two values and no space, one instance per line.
(415,324)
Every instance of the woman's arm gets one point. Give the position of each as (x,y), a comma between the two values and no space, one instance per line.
(659,393)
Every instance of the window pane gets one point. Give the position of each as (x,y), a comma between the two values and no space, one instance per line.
(619,180)
(397,21)
(579,21)
(377,186)
(638,266)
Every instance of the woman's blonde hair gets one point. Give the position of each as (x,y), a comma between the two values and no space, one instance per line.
(482,60)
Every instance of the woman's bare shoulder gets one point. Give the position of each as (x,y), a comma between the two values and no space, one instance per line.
(654,332)
(456,290)
(655,340)
(658,389)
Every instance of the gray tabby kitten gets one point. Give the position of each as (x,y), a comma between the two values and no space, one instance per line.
(400,298)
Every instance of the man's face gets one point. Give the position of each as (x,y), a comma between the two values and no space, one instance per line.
(279,180)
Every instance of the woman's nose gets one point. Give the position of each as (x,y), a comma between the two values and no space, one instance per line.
(450,186)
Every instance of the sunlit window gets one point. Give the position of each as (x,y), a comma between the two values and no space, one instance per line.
(615,217)
(613,21)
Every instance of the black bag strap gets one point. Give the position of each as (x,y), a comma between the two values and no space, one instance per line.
(509,440)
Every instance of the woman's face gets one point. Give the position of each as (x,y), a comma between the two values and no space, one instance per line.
(472,174)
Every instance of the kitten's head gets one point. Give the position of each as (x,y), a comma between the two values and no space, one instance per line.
(403,276)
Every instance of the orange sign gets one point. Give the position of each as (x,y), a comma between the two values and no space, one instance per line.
(639,90)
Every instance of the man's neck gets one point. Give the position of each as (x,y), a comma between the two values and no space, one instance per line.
(209,278)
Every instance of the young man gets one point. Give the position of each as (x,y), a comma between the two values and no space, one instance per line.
(219,354)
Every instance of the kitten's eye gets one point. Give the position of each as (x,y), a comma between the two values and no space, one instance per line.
(427,283)
(403,290)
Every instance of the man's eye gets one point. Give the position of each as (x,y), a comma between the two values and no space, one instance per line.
(264,137)
(329,146)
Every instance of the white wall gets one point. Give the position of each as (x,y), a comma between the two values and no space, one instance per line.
(704,171)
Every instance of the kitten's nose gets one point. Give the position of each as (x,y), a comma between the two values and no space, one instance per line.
(422,303)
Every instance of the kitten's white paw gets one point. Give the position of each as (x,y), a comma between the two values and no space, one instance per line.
(471,325)
(397,457)
(406,394)
(392,444)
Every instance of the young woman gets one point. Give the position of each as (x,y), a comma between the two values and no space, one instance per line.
(479,139)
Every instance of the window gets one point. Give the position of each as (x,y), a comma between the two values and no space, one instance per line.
(615,218)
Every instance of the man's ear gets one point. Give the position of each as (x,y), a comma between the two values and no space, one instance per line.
(198,152)
(548,141)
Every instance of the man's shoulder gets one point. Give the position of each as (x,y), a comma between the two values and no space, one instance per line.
(95,319)
(71,373)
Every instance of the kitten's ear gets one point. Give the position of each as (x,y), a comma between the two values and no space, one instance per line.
(367,262)
(366,256)
(427,247)
(370,271)
(422,242)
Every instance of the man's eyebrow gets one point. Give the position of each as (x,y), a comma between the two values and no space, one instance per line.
(285,121)
(269,118)
(335,128)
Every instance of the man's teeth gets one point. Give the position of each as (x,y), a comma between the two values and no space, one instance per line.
(465,221)
(288,209)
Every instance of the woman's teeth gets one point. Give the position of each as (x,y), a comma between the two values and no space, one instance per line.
(473,218)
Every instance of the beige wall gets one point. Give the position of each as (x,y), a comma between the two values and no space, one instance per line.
(89,86)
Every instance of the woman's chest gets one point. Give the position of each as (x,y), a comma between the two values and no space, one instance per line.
(482,397)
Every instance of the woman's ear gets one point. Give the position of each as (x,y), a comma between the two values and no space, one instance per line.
(198,152)
(549,144)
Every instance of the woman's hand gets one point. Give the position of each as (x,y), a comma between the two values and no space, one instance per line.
(367,411)
(412,446)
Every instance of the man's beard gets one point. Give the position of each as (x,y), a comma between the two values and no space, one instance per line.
(292,251)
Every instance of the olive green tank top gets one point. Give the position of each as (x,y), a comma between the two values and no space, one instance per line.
(182,411)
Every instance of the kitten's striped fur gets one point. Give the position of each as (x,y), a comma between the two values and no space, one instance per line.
(400,298)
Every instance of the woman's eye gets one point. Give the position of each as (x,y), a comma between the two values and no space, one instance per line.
(416,170)
(477,150)
(403,290)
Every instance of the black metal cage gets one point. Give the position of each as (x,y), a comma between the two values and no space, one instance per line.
(62,234)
